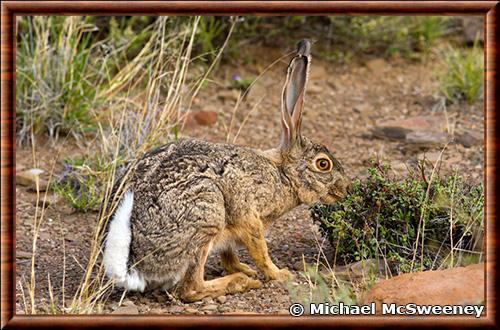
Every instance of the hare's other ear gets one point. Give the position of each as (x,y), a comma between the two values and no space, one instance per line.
(293,95)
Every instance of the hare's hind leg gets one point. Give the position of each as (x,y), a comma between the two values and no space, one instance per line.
(194,287)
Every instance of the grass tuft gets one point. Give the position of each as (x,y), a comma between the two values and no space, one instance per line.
(55,81)
(463,76)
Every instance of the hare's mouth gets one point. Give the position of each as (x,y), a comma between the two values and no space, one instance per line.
(335,194)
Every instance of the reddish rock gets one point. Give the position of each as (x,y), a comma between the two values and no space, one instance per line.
(456,286)
(412,123)
(205,118)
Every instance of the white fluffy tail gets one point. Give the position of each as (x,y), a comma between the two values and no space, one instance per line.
(117,248)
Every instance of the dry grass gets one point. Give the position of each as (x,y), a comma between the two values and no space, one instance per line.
(144,104)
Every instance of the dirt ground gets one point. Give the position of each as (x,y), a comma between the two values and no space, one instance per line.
(344,102)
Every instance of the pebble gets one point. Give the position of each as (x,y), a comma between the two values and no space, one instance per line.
(128,307)
(29,178)
(469,138)
(176,309)
(210,308)
(208,300)
(190,310)
(228,95)
(298,266)
(222,299)
(50,200)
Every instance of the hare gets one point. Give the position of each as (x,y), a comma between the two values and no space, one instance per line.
(191,197)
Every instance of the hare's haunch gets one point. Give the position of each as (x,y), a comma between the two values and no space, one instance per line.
(191,197)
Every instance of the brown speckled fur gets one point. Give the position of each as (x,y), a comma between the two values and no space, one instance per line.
(192,197)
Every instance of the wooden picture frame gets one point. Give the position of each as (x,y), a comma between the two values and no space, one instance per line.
(487,9)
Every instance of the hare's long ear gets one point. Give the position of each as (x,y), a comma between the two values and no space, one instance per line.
(293,95)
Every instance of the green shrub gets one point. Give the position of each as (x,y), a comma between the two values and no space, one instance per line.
(321,290)
(82,182)
(389,35)
(384,218)
(463,76)
(211,29)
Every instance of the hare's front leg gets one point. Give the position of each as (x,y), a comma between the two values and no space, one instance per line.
(232,264)
(252,236)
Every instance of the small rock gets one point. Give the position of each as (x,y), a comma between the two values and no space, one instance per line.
(157,311)
(23,255)
(222,299)
(190,310)
(128,307)
(70,237)
(455,286)
(160,296)
(427,139)
(469,138)
(30,178)
(225,309)
(50,200)
(208,300)
(176,309)
(472,29)
(418,123)
(363,109)
(210,308)
(205,118)
(128,303)
(298,266)
(391,133)
(228,95)
(126,310)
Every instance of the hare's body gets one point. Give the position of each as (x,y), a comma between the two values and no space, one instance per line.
(191,194)
(191,197)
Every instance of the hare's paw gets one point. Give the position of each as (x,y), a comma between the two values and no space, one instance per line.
(241,283)
(281,275)
(241,267)
(230,284)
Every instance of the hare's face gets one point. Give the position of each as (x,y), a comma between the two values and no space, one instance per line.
(316,174)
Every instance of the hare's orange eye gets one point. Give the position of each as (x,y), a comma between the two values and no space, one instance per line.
(323,164)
